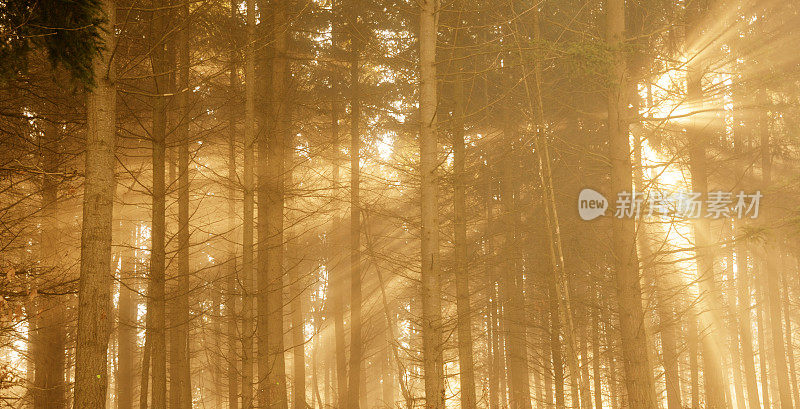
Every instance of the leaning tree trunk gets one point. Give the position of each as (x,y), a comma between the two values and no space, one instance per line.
(94,284)
(638,373)
(432,357)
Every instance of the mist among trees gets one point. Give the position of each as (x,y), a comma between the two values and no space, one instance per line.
(361,204)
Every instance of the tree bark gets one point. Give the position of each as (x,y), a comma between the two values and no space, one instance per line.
(432,357)
(94,284)
(463,309)
(353,388)
(638,372)
(127,326)
(180,382)
(248,289)
(48,328)
(277,175)
(231,279)
(773,281)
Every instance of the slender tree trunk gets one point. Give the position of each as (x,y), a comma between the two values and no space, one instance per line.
(709,316)
(277,175)
(745,307)
(298,337)
(511,289)
(694,340)
(127,326)
(730,304)
(180,382)
(638,372)
(432,357)
(49,353)
(555,345)
(787,313)
(157,291)
(465,358)
(773,281)
(232,274)
(762,342)
(356,347)
(336,276)
(597,378)
(94,284)
(248,288)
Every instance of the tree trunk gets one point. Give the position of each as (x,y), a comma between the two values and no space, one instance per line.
(276,177)
(638,372)
(180,382)
(745,306)
(693,340)
(465,358)
(787,313)
(432,357)
(762,342)
(598,381)
(157,291)
(48,332)
(232,276)
(94,284)
(336,277)
(127,326)
(511,289)
(354,393)
(298,336)
(248,289)
(773,280)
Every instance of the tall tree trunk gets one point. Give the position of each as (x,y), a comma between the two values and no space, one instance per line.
(555,344)
(231,279)
(180,382)
(298,336)
(48,332)
(745,306)
(432,357)
(465,358)
(356,347)
(762,341)
(731,315)
(709,316)
(157,290)
(271,302)
(773,280)
(638,372)
(94,284)
(694,371)
(787,313)
(336,276)
(597,378)
(248,289)
(127,326)
(511,288)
